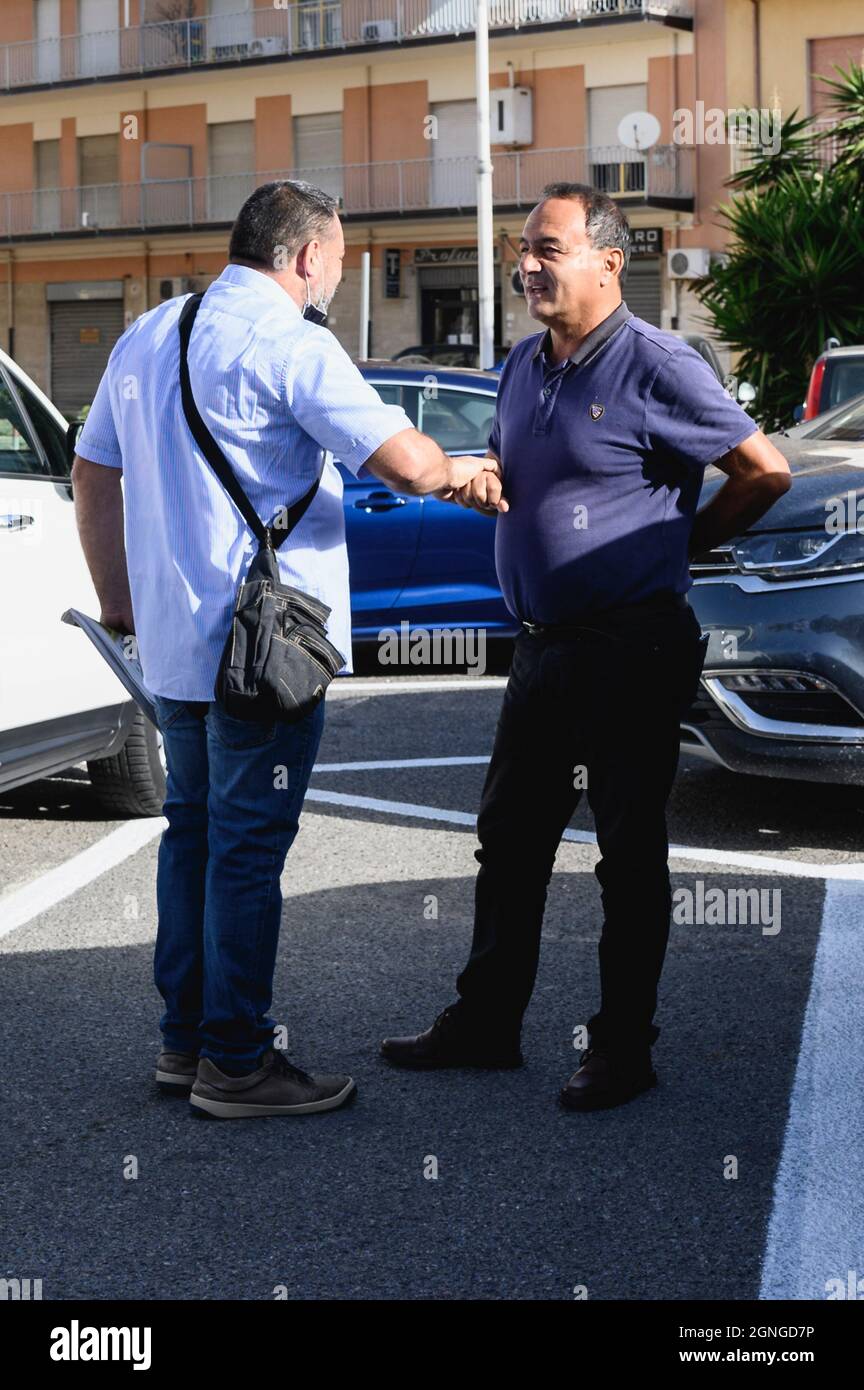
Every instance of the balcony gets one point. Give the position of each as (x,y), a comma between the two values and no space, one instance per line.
(300,30)
(663,177)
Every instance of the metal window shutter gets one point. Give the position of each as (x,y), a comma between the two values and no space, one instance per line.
(447,277)
(457,129)
(453,181)
(97,159)
(318,140)
(643,291)
(607,106)
(232,147)
(76,366)
(47,163)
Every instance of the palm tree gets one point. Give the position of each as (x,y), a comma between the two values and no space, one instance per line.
(793,274)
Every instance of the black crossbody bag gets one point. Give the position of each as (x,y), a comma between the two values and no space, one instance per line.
(277,661)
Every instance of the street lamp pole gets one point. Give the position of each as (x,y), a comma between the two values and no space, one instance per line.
(485,266)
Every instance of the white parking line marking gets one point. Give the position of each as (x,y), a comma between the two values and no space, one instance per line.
(23,904)
(816,1232)
(362,685)
(400,762)
(769,864)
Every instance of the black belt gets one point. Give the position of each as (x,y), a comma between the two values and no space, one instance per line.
(608,618)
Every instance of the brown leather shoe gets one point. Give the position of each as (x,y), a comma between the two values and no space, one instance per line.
(606,1079)
(448,1043)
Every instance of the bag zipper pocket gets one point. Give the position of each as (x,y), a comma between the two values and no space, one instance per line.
(292,642)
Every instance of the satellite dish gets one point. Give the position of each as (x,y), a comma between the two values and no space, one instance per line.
(638,131)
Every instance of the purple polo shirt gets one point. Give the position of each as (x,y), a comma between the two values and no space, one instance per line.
(603,458)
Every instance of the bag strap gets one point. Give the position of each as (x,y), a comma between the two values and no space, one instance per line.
(266,535)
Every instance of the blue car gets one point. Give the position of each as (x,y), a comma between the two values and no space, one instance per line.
(415,559)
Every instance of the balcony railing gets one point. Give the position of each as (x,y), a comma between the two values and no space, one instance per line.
(300,29)
(663,175)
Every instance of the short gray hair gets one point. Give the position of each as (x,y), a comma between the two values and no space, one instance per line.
(605,223)
(279,218)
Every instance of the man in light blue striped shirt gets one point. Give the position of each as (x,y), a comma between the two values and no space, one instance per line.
(167,552)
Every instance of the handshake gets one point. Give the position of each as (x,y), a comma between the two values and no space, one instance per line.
(475,482)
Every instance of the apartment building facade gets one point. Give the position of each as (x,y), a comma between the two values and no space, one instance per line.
(131,131)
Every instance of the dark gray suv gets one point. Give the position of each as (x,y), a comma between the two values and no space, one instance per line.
(782,690)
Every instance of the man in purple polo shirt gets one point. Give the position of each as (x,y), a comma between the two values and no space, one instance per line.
(603,429)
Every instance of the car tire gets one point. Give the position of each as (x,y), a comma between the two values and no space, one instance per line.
(132,783)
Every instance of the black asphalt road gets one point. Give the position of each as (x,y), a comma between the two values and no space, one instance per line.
(529,1202)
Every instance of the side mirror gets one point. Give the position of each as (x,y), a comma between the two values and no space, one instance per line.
(798,414)
(746,392)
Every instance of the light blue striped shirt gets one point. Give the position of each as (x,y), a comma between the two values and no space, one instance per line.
(279,395)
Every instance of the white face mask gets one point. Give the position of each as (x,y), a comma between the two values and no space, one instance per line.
(317,313)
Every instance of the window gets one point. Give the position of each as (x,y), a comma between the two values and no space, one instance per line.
(97,159)
(845,380)
(613,168)
(231,165)
(18,452)
(99,201)
(458,421)
(318,150)
(848,426)
(454,154)
(394,393)
(52,435)
(46,185)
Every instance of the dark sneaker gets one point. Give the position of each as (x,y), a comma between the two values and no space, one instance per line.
(175,1071)
(276,1088)
(449,1043)
(606,1078)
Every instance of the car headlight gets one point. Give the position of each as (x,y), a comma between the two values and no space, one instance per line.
(800,554)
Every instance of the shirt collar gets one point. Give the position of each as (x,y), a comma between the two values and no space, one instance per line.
(593,341)
(257,281)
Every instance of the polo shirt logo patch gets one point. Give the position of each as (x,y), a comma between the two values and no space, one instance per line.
(596,411)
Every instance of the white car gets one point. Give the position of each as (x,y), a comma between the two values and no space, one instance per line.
(60,704)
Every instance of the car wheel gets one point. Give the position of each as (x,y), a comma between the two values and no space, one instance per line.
(132,783)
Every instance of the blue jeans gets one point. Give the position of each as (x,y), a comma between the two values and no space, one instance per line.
(235,790)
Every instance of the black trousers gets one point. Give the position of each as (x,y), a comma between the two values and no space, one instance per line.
(599,708)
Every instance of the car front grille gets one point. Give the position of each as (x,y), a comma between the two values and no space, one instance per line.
(778,704)
(816,707)
(718,561)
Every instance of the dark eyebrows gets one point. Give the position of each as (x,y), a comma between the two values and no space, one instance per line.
(548,243)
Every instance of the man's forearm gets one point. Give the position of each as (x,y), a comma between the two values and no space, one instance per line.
(99,516)
(431,475)
(412,462)
(734,509)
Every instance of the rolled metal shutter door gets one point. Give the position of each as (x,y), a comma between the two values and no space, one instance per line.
(643,291)
(82,336)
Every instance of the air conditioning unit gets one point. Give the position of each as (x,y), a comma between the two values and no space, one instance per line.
(689,264)
(511,116)
(223,51)
(179,284)
(378,30)
(264,48)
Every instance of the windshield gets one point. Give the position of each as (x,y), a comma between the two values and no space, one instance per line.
(844,379)
(844,424)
